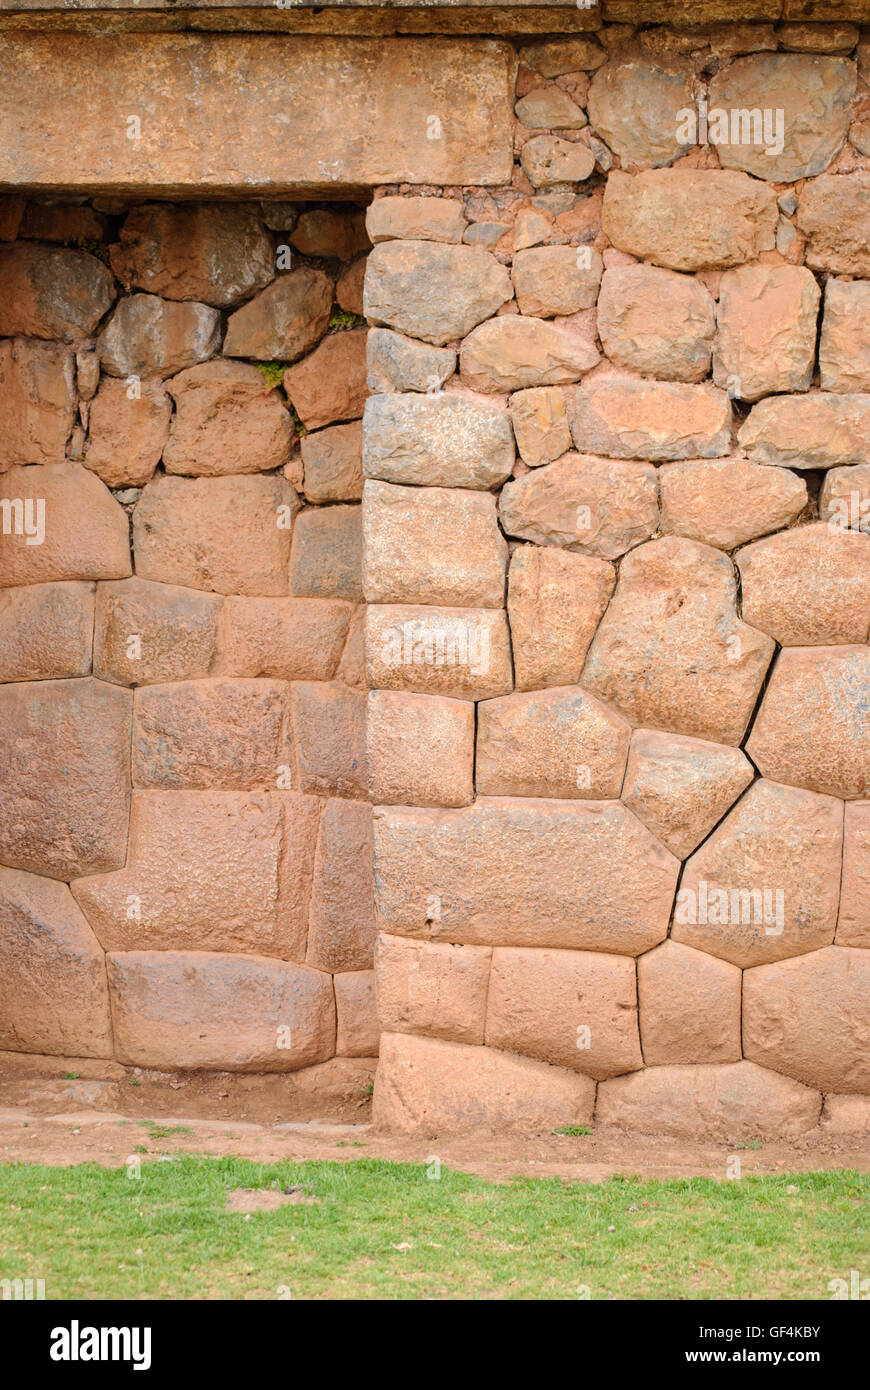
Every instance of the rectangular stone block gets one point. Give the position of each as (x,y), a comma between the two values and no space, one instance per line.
(219,1012)
(46,631)
(432,988)
(330,738)
(217,732)
(209,871)
(420,749)
(515,872)
(432,545)
(262,113)
(288,638)
(147,633)
(341,919)
(463,653)
(357,1032)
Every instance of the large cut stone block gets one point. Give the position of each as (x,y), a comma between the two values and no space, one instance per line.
(595,506)
(766,883)
(46,631)
(432,545)
(433,291)
(819,430)
(291,639)
(680,787)
(523,873)
(690,219)
(431,988)
(428,1087)
(810,1018)
(194,1009)
(37,401)
(437,441)
(341,932)
(420,749)
(148,633)
(725,502)
(53,994)
(463,653)
(261,113)
(209,871)
(217,732)
(809,587)
(560,742)
(574,1009)
(555,602)
(66,783)
(658,420)
(63,523)
(689,1007)
(735,1101)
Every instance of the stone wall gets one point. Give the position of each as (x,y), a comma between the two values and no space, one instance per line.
(184,830)
(595,644)
(617,563)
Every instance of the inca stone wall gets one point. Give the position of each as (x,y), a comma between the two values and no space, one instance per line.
(617,565)
(534,514)
(184,830)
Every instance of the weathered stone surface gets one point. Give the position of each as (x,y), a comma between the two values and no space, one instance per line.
(671,651)
(342,927)
(127,435)
(812,729)
(765,885)
(330,385)
(551,280)
(549,107)
(511,352)
(432,291)
(213,733)
(504,872)
(809,1018)
(176,630)
(853,923)
(690,219)
(689,1004)
(555,57)
(435,989)
(461,653)
(555,602)
(656,322)
(65,793)
(420,749)
(349,287)
(330,737)
(817,38)
(326,560)
(54,998)
(289,639)
(844,347)
(147,336)
(813,431)
(659,420)
(846,1114)
(324,232)
(809,587)
(397,363)
(217,534)
(285,320)
(425,1086)
(415,219)
(84,530)
(64,222)
(549,162)
(226,421)
(596,506)
(357,1031)
(813,93)
(332,460)
(833,213)
(216,253)
(766,330)
(432,545)
(725,502)
(438,441)
(845,497)
(633,106)
(46,631)
(37,401)
(52,292)
(201,1010)
(574,1009)
(265,113)
(540,422)
(680,787)
(558,743)
(215,871)
(737,1100)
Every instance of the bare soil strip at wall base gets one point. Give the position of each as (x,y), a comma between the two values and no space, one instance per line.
(89,1137)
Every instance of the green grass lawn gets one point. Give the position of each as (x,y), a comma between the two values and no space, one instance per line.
(386,1230)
